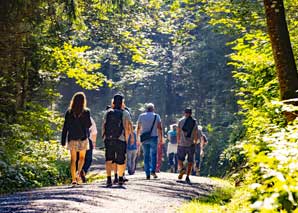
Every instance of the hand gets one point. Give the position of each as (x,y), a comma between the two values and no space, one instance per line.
(94,145)
(202,153)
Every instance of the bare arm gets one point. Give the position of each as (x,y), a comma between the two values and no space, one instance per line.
(159,132)
(178,135)
(132,138)
(195,132)
(93,138)
(103,129)
(127,129)
(202,142)
(139,127)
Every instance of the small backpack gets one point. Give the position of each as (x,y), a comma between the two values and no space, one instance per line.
(114,125)
(188,126)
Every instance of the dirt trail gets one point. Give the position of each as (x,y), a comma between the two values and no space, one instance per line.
(164,194)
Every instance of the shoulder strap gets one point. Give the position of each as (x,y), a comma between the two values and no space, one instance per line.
(152,124)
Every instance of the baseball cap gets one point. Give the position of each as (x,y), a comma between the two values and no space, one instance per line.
(187,110)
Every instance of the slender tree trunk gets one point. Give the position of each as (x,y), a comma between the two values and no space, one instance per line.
(282,51)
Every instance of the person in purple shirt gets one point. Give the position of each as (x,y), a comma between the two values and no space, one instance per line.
(132,150)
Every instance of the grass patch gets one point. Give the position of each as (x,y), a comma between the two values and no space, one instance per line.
(220,195)
(94,177)
(225,198)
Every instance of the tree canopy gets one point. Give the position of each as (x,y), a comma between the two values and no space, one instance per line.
(232,62)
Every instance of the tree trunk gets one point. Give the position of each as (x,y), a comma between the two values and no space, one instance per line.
(282,51)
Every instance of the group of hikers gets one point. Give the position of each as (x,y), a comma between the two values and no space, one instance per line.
(123,142)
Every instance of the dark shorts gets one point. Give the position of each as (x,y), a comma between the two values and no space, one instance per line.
(182,151)
(115,151)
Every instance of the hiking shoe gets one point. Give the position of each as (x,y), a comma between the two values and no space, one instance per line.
(121,181)
(83,177)
(181,173)
(116,180)
(109,182)
(198,172)
(172,169)
(154,174)
(125,179)
(187,180)
(148,177)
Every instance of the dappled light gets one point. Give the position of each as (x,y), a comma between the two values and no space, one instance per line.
(219,78)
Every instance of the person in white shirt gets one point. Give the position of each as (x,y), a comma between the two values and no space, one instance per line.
(89,153)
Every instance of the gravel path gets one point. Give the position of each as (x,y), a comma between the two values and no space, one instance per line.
(164,194)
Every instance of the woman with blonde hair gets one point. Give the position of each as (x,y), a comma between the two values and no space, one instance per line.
(75,128)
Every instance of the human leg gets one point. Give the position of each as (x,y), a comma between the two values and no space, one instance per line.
(88,158)
(190,159)
(110,157)
(171,161)
(73,158)
(81,160)
(153,154)
(176,162)
(159,156)
(181,157)
(129,161)
(146,151)
(133,161)
(121,160)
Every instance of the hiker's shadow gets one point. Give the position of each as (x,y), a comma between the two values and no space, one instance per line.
(112,187)
(184,182)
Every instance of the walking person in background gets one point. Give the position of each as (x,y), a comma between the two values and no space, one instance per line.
(204,142)
(132,150)
(116,129)
(159,157)
(149,133)
(197,155)
(75,128)
(187,136)
(89,153)
(172,148)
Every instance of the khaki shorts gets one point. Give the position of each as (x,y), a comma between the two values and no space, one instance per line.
(78,145)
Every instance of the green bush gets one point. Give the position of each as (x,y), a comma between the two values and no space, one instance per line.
(275,169)
(28,156)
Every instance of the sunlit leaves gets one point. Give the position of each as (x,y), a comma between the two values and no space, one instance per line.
(71,61)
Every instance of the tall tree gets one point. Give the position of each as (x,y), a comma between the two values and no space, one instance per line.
(282,50)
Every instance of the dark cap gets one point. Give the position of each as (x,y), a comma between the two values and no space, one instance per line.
(118,100)
(187,110)
(118,97)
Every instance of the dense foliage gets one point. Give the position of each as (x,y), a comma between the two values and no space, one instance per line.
(214,56)
(269,144)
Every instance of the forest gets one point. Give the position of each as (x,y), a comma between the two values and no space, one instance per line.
(232,61)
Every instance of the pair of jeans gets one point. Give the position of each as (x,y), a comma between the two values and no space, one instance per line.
(197,156)
(131,161)
(150,154)
(173,160)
